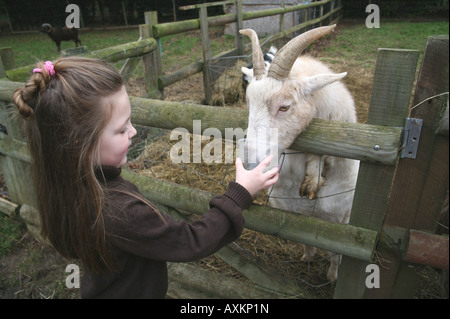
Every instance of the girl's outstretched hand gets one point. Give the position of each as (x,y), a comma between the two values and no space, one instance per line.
(256,180)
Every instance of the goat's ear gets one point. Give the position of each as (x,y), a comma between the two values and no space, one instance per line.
(313,83)
(248,72)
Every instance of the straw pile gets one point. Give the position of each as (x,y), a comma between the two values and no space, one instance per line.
(228,89)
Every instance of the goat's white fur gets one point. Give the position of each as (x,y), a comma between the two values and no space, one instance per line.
(312,91)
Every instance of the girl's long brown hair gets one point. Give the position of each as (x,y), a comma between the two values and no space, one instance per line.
(65,116)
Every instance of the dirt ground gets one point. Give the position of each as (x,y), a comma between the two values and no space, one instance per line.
(32,270)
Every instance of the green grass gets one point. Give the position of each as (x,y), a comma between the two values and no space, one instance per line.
(185,48)
(356,42)
(10,232)
(32,47)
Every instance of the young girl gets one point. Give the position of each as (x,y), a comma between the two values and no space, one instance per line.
(79,131)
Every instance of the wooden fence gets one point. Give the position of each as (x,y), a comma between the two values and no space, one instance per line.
(157,31)
(156,80)
(151,30)
(397,201)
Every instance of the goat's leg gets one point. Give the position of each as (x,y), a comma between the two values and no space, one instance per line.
(314,178)
(335,259)
(308,252)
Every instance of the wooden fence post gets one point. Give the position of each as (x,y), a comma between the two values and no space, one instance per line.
(152,61)
(151,18)
(331,9)
(7,61)
(2,69)
(207,81)
(282,19)
(16,173)
(7,55)
(393,82)
(239,26)
(420,183)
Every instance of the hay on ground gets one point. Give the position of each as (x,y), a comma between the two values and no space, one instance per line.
(228,89)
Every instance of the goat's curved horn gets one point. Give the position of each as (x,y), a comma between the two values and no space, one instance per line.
(286,56)
(258,59)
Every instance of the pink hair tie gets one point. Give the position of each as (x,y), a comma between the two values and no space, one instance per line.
(48,67)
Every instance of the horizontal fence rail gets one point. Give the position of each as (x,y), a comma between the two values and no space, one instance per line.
(111,54)
(171,28)
(369,143)
(165,29)
(344,239)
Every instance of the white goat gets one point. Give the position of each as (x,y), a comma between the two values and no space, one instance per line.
(287,97)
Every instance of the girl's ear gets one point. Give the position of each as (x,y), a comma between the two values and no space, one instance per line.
(313,83)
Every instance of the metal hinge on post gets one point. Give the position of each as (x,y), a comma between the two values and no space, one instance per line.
(411,137)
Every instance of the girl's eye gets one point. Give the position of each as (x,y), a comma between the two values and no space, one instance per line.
(123,131)
(284,108)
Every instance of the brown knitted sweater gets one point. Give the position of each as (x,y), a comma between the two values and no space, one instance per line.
(141,242)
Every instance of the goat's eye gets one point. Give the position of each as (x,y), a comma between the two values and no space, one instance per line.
(284,108)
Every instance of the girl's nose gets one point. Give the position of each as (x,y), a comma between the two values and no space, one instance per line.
(133,132)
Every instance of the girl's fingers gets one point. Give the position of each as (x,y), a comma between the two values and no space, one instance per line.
(256,180)
(238,162)
(265,162)
(272,180)
(273,171)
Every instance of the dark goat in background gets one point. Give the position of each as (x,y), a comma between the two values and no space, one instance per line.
(58,34)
